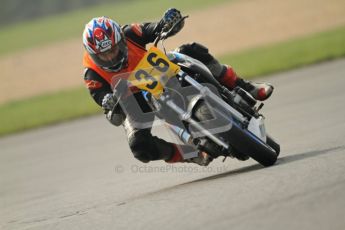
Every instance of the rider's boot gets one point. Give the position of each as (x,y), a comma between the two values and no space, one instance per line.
(260,91)
(203,159)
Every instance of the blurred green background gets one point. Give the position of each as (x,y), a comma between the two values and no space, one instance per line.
(14,11)
(42,28)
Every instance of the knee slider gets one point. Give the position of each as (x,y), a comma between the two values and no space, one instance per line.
(196,51)
(197,47)
(141,146)
(139,150)
(192,48)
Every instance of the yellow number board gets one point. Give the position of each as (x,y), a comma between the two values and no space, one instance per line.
(153,70)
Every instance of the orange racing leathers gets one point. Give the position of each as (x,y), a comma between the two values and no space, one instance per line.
(142,143)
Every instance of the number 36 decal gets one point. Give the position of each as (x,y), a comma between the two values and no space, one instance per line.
(147,75)
(159,64)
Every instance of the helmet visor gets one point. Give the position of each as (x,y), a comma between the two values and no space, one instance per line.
(112,58)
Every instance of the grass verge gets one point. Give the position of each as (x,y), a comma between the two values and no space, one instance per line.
(288,55)
(66,105)
(46,109)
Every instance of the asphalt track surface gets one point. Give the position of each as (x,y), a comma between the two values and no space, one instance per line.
(81,175)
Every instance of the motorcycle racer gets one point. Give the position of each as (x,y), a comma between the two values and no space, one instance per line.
(111,50)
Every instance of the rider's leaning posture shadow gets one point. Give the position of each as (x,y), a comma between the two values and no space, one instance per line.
(281,161)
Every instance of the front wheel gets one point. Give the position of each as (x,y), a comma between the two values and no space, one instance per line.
(273,144)
(250,145)
(241,139)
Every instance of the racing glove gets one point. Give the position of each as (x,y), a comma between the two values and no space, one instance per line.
(112,110)
(170,17)
(108,102)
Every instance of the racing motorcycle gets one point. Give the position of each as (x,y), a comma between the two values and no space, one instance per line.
(199,110)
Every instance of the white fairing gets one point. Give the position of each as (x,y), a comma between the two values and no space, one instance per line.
(257,127)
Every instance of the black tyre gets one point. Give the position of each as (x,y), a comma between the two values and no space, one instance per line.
(273,144)
(241,139)
(251,146)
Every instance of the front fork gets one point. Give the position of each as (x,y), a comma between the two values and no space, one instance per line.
(185,115)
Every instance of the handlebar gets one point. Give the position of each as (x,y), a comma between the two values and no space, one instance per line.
(165,34)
